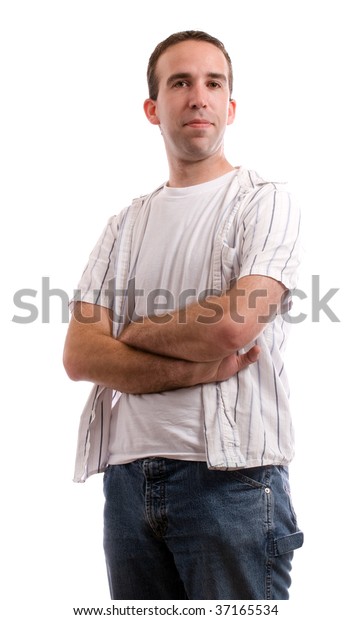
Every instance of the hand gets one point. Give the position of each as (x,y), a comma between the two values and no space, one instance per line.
(234,363)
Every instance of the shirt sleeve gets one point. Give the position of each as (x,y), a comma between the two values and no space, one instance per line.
(269,229)
(99,275)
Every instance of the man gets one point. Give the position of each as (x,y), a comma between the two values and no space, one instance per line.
(180,320)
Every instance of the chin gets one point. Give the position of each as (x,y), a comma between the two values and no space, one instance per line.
(200,150)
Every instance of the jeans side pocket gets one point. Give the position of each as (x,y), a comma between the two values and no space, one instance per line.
(289,543)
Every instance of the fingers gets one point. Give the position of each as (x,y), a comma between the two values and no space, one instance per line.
(233,364)
(253,354)
(250,357)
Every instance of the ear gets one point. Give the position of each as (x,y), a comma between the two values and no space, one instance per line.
(151,111)
(231,111)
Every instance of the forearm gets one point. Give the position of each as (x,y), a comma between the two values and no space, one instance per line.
(113,364)
(211,329)
(91,353)
(191,333)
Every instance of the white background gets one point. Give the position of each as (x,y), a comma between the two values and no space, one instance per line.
(75,148)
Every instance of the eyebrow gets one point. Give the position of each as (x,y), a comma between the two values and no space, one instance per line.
(184,76)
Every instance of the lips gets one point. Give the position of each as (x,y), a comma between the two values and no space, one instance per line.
(199,123)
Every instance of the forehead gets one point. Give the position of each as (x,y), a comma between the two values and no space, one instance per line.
(192,57)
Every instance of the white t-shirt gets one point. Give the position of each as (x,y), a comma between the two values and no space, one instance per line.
(171,269)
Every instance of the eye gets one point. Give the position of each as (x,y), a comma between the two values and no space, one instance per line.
(214,84)
(180,84)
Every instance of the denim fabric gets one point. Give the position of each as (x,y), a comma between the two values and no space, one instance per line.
(176,530)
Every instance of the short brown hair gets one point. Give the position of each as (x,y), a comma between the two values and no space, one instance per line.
(179,37)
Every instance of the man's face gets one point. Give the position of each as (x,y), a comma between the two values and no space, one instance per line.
(193,106)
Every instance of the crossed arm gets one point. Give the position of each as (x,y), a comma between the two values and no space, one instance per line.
(184,348)
(212,329)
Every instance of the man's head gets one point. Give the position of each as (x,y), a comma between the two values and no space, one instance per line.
(191,103)
(179,37)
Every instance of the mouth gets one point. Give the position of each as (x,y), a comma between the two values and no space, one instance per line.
(199,123)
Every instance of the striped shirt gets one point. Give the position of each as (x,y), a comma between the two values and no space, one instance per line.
(247,420)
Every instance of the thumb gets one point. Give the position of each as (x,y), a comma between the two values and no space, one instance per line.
(250,357)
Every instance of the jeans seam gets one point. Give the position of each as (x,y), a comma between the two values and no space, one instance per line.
(269,526)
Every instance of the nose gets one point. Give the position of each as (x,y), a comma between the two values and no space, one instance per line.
(197,99)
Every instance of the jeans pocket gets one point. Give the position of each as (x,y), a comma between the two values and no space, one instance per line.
(289,543)
(256,477)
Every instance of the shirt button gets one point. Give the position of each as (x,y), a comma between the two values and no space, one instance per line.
(267,490)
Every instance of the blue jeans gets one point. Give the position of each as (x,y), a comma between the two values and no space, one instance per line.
(176,530)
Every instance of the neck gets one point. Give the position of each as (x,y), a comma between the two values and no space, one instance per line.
(185,174)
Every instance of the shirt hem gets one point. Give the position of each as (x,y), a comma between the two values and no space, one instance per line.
(178,457)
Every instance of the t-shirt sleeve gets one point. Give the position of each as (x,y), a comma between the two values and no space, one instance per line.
(98,276)
(269,227)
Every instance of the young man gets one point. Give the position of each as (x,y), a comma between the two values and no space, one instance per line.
(180,324)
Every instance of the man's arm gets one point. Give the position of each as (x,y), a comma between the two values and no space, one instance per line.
(213,329)
(91,353)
